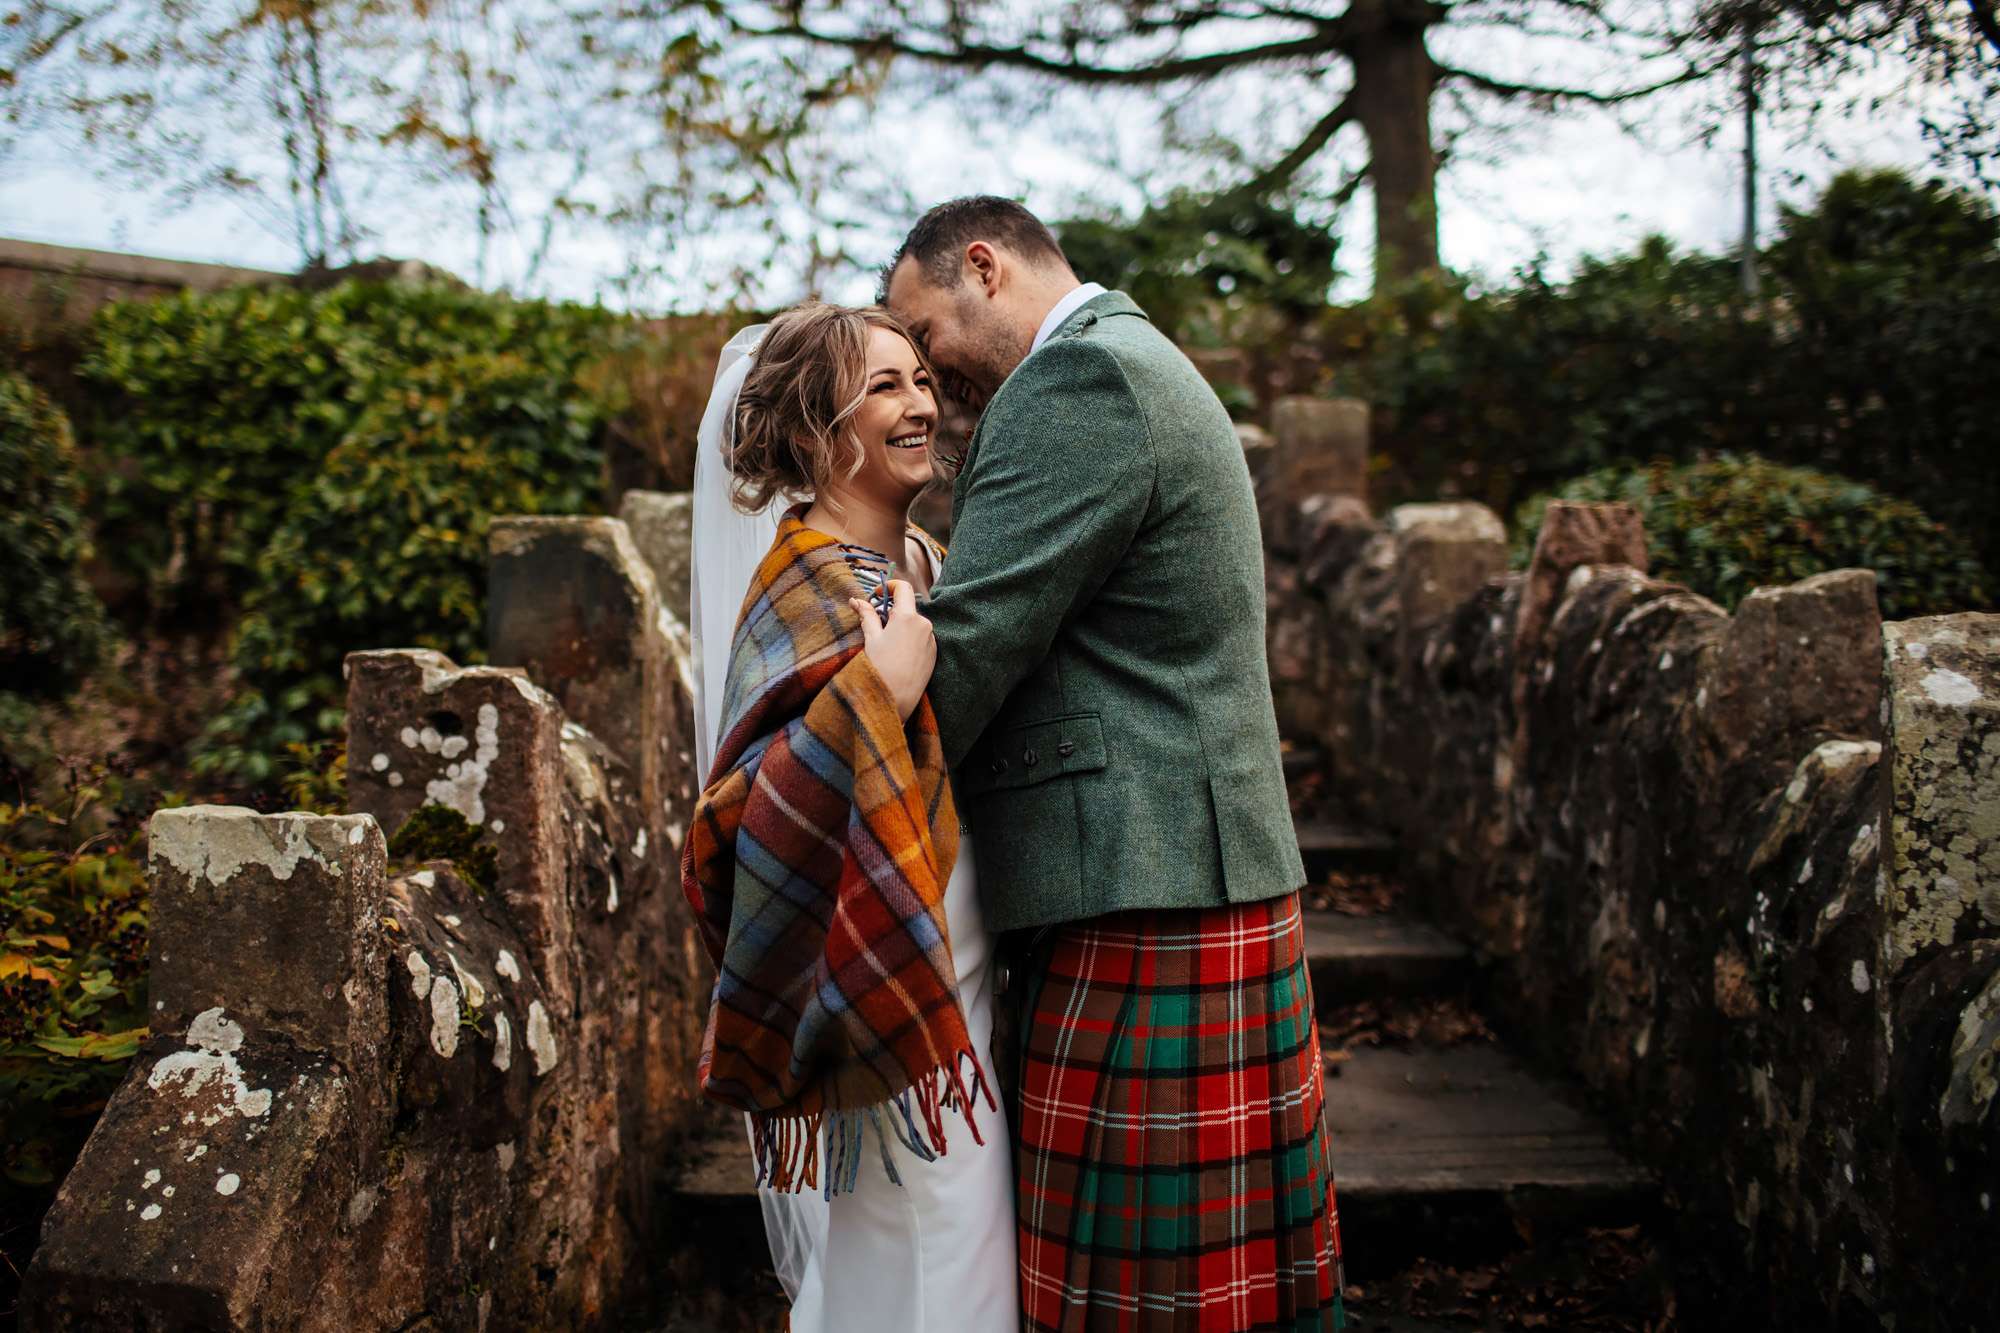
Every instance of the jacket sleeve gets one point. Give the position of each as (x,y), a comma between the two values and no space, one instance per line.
(1056,493)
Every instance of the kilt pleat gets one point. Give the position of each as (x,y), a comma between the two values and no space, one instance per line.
(1172,1157)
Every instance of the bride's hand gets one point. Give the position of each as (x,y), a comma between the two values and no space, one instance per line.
(903,650)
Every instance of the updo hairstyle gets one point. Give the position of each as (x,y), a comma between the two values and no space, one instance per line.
(794,417)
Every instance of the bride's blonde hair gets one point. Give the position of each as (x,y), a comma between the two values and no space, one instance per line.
(794,416)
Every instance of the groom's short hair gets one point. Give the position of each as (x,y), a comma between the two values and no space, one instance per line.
(937,243)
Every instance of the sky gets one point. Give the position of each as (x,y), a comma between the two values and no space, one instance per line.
(1561,187)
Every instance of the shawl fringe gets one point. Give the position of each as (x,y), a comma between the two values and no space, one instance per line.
(791,1148)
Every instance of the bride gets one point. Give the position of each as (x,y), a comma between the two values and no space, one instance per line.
(853,1013)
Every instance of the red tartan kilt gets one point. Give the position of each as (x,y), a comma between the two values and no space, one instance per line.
(1172,1155)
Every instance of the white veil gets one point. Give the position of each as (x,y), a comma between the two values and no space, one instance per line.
(727,546)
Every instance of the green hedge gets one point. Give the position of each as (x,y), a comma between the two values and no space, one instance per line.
(1731,524)
(1870,355)
(385,544)
(53,630)
(220,406)
(320,468)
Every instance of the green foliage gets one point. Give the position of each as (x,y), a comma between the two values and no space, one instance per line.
(1731,524)
(1889,292)
(1493,396)
(72,979)
(327,463)
(1192,259)
(53,630)
(386,544)
(220,406)
(317,780)
(1870,356)
(439,833)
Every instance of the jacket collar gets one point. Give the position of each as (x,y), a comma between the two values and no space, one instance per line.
(1096,308)
(1107,306)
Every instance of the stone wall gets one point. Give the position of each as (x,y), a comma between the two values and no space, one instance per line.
(65,285)
(1741,872)
(386,1094)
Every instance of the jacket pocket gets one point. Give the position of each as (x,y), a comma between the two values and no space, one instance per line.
(1023,755)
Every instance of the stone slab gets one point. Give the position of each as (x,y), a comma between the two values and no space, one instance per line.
(267,916)
(215,1157)
(1467,1120)
(1322,445)
(1461,1122)
(1942,712)
(1328,837)
(1368,957)
(662,527)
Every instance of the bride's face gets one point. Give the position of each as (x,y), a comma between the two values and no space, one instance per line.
(894,423)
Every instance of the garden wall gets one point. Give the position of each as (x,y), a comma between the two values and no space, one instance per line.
(1739,872)
(436,1088)
(67,285)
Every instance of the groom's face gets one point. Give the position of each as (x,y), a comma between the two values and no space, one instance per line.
(966,328)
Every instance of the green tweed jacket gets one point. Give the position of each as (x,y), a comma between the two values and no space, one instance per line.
(1101,683)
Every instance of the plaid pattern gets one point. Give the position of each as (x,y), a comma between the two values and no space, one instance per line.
(816,868)
(1172,1156)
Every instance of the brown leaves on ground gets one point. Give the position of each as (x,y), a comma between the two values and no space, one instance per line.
(1432,1021)
(1612,1280)
(1354,893)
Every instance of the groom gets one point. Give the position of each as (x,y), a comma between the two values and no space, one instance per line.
(1105,704)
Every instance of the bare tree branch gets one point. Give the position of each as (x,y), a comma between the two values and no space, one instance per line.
(1694,72)
(1985,20)
(1279,174)
(1330,40)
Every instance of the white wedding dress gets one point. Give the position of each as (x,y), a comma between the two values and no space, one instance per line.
(935,1254)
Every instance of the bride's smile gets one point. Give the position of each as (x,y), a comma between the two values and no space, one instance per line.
(898,412)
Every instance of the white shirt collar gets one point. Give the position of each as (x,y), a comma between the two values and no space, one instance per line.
(1063,310)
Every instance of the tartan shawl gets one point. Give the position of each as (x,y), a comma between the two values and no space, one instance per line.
(816,866)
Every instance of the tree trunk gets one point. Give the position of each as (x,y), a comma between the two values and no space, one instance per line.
(1392,100)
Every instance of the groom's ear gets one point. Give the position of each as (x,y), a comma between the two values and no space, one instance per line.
(983,267)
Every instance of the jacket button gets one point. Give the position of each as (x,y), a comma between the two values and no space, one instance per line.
(1030,758)
(1066,749)
(999,765)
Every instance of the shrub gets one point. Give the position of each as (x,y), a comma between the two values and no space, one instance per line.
(219,407)
(1734,523)
(384,544)
(1869,355)
(53,630)
(314,472)
(72,980)
(1887,291)
(1191,259)
(1497,395)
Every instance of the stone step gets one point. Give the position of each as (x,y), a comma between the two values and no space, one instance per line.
(1332,837)
(1379,957)
(1465,1126)
(1467,1120)
(1333,843)
(1300,760)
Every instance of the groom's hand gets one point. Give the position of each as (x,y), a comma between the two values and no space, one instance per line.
(903,650)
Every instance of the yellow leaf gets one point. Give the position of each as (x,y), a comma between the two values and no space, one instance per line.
(12,963)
